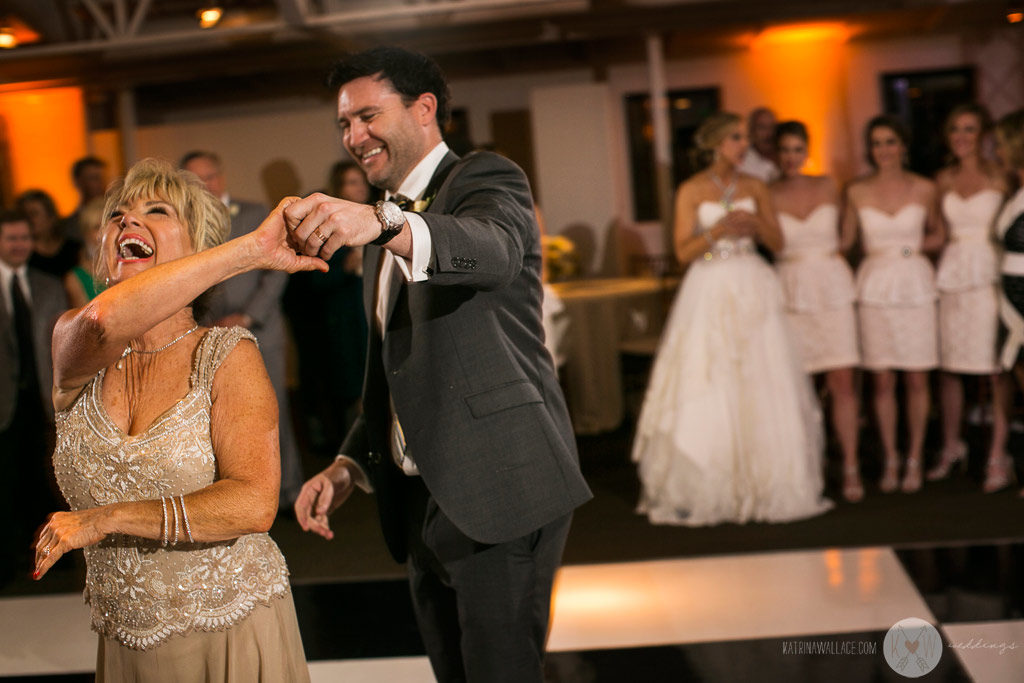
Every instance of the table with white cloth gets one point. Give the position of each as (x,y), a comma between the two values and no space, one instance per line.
(604,315)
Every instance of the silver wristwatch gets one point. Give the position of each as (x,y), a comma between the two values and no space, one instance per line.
(392,220)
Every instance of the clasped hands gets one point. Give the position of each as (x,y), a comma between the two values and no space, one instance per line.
(299,229)
(738,223)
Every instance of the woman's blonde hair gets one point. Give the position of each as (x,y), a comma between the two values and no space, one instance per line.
(204,216)
(1010,132)
(711,133)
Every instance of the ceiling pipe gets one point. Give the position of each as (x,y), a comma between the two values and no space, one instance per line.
(486,10)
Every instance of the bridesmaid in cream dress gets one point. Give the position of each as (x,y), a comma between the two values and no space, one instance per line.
(818,285)
(895,211)
(972,191)
(730,430)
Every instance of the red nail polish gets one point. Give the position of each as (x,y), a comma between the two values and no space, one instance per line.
(35,575)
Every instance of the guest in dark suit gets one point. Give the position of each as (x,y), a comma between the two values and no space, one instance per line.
(253,300)
(465,436)
(31,302)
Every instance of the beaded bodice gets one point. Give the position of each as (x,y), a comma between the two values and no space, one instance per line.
(709,213)
(142,593)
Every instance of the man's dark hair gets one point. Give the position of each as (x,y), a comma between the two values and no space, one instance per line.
(78,168)
(410,73)
(199,154)
(13,216)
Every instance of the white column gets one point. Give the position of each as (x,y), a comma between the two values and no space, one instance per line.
(662,135)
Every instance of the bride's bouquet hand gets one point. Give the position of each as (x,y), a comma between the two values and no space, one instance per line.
(738,223)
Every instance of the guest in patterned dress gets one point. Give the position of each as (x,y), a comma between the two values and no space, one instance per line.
(971,191)
(895,212)
(1010,228)
(818,286)
(167,448)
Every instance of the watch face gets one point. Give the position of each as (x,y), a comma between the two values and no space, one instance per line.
(392,214)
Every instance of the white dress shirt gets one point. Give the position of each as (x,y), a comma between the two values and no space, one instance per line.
(758,166)
(415,268)
(6,273)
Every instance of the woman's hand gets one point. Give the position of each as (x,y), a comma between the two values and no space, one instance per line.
(271,248)
(64,531)
(737,224)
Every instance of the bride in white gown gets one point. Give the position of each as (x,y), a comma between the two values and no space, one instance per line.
(730,430)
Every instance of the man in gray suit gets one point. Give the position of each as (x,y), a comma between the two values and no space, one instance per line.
(253,300)
(31,303)
(465,436)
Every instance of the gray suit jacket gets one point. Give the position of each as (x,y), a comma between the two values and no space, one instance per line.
(48,302)
(256,293)
(465,364)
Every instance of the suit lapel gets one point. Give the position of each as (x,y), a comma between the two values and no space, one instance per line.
(440,175)
(398,289)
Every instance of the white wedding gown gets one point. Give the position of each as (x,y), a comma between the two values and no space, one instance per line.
(730,430)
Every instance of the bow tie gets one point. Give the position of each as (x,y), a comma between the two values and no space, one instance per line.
(403,202)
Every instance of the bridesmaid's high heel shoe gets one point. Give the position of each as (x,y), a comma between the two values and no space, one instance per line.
(853,489)
(999,474)
(890,480)
(955,455)
(912,476)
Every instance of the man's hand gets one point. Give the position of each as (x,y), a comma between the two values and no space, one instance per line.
(319,224)
(322,495)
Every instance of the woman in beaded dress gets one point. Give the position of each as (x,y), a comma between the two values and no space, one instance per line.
(971,191)
(818,287)
(167,448)
(1010,229)
(730,430)
(895,213)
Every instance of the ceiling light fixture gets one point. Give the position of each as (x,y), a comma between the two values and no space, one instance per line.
(209,16)
(7,38)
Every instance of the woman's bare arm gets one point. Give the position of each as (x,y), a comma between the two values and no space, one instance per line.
(90,338)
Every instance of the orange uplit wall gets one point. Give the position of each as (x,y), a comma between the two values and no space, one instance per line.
(45,131)
(799,71)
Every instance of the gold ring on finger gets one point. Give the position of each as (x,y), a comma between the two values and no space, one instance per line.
(316,231)
(46,551)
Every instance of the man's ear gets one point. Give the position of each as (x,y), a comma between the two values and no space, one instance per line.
(426,108)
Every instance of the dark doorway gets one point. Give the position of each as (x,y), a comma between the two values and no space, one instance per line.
(687,109)
(923,100)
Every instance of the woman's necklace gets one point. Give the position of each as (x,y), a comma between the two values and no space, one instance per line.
(129,350)
(727,190)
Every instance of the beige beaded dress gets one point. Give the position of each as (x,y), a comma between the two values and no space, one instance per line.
(187,612)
